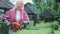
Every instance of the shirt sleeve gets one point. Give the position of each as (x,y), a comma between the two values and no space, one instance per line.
(6,16)
(26,18)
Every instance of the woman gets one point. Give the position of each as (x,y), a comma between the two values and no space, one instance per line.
(17,14)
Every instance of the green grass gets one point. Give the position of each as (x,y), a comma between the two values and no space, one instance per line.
(41,31)
(57,32)
(41,25)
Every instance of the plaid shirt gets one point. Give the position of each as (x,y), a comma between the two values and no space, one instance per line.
(11,16)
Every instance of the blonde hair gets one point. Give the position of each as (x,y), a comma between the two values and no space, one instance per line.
(17,2)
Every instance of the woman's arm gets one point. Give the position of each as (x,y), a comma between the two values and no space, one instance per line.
(6,16)
(26,18)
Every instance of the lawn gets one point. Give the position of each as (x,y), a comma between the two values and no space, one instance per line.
(57,32)
(41,25)
(41,31)
(33,32)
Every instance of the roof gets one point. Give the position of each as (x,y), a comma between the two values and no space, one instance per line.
(57,0)
(5,4)
(28,9)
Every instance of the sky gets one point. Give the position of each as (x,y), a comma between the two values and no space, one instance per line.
(25,1)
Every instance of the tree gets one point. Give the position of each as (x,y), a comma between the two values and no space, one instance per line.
(43,5)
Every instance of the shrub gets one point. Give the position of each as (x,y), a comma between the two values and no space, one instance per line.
(55,27)
(3,28)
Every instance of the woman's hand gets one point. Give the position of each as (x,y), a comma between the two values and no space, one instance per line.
(23,25)
(7,22)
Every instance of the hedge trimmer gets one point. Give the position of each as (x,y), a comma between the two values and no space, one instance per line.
(15,26)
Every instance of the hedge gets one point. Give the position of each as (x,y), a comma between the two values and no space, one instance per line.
(3,28)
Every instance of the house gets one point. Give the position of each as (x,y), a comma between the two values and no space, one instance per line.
(4,6)
(47,16)
(32,14)
(29,11)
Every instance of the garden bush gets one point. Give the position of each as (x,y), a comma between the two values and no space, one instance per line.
(3,28)
(42,25)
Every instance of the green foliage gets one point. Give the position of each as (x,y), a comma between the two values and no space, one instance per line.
(43,5)
(41,25)
(55,27)
(58,8)
(3,28)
